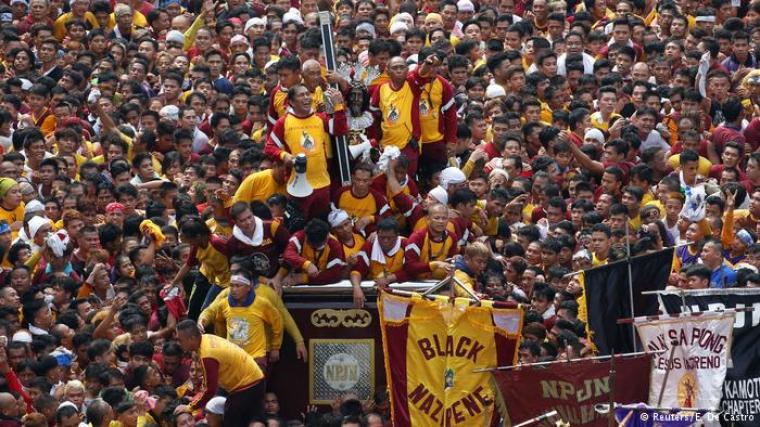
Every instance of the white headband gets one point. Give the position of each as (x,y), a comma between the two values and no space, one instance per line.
(709,18)
(336,217)
(239,278)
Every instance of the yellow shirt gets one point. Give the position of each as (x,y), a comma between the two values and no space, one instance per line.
(360,207)
(703,168)
(59,27)
(138,20)
(279,106)
(546,113)
(237,369)
(247,324)
(218,228)
(308,136)
(258,186)
(214,264)
(599,123)
(596,261)
(12,216)
(396,109)
(431,101)
(353,250)
(466,280)
(265,291)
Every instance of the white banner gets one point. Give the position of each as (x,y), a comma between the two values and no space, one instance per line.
(695,349)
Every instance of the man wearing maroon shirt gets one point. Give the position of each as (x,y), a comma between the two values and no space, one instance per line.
(263,240)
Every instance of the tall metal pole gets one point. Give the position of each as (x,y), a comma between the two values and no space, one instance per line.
(630,276)
(611,384)
(340,144)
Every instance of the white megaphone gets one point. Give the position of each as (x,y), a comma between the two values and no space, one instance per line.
(299,186)
(359,150)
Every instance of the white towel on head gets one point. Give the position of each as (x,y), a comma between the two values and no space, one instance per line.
(35,224)
(34,206)
(336,217)
(58,242)
(452,175)
(439,194)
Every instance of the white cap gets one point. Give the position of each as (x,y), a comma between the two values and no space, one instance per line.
(22,336)
(398,26)
(216,405)
(67,403)
(292,15)
(494,91)
(336,217)
(175,36)
(238,38)
(406,18)
(465,6)
(254,21)
(594,134)
(439,194)
(499,171)
(19,1)
(34,206)
(169,112)
(26,84)
(366,26)
(35,224)
(452,175)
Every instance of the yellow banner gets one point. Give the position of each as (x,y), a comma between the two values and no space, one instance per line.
(444,345)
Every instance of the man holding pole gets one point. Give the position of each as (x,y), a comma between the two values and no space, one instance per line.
(304,131)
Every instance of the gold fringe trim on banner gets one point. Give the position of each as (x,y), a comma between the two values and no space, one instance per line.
(583,312)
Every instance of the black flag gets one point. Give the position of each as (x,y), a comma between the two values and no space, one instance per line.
(608,299)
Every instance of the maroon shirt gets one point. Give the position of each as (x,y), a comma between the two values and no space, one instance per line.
(272,246)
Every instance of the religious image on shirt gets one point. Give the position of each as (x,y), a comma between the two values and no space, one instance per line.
(260,262)
(393,115)
(239,331)
(424,107)
(307,142)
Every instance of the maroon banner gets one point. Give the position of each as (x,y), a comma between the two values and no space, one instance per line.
(572,389)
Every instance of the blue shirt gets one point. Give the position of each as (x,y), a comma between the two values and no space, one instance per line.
(723,277)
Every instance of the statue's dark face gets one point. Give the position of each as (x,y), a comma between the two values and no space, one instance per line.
(356,101)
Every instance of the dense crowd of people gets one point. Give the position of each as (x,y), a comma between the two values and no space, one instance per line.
(169,167)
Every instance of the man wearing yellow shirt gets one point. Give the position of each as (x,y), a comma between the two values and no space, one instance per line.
(260,186)
(208,252)
(607,100)
(247,317)
(703,168)
(266,291)
(468,268)
(690,140)
(125,20)
(79,10)
(600,243)
(342,227)
(225,366)
(304,131)
(396,107)
(11,207)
